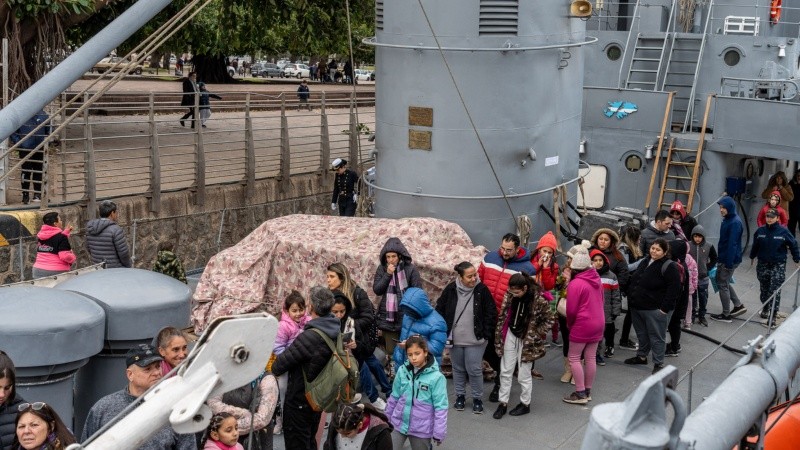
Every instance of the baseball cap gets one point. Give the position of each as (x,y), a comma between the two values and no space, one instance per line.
(142,355)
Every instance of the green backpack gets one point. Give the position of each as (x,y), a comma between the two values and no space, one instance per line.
(338,380)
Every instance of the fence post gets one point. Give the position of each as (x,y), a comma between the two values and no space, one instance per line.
(155,161)
(91,180)
(133,242)
(21,253)
(354,156)
(200,156)
(325,141)
(284,175)
(249,153)
(63,149)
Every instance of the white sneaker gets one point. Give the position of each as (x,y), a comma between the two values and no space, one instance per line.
(379,404)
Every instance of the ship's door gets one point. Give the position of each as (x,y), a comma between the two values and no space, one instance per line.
(594,186)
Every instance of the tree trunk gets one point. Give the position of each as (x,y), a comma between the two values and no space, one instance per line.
(211,69)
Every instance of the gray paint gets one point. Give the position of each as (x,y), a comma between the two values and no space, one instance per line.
(49,335)
(528,103)
(61,77)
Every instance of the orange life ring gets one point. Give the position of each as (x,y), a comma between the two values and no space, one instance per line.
(775,11)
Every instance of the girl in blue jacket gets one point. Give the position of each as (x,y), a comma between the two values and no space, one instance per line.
(420,318)
(417,408)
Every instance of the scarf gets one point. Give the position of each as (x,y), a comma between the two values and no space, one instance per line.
(222,446)
(397,286)
(463,291)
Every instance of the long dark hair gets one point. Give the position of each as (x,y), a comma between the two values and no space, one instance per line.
(520,280)
(8,371)
(58,435)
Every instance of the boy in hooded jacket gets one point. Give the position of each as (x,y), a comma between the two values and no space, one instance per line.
(419,318)
(770,243)
(612,302)
(730,256)
(773,202)
(705,255)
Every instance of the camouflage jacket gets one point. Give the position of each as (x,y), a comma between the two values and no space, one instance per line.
(169,264)
(533,343)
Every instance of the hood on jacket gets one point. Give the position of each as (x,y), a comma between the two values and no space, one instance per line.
(698,229)
(548,240)
(780,198)
(96,226)
(166,255)
(677,205)
(395,245)
(614,236)
(522,255)
(728,203)
(416,301)
(591,277)
(329,325)
(48,231)
(677,250)
(596,252)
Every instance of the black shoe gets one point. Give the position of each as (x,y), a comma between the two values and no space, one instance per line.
(637,360)
(722,317)
(629,345)
(670,351)
(703,321)
(26,198)
(520,410)
(460,403)
(609,352)
(764,314)
(738,311)
(500,411)
(182,124)
(494,397)
(599,360)
(657,367)
(477,406)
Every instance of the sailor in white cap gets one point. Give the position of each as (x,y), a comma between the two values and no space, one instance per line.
(345,188)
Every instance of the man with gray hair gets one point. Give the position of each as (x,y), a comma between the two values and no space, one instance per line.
(105,240)
(308,355)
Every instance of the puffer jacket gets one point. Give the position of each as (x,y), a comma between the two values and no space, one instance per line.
(770,243)
(8,414)
(380,283)
(288,330)
(651,289)
(617,265)
(420,318)
(418,404)
(585,319)
(308,353)
(363,314)
(495,272)
(53,251)
(541,318)
(546,277)
(704,254)
(730,235)
(612,299)
(105,241)
(783,217)
(483,312)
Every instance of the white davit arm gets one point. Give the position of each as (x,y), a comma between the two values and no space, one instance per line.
(230,354)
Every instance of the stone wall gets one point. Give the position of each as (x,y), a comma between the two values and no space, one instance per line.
(197,232)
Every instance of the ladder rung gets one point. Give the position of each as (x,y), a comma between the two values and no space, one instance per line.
(678,177)
(643,71)
(642,82)
(685,150)
(680,163)
(672,72)
(666,204)
(685,61)
(646,59)
(676,191)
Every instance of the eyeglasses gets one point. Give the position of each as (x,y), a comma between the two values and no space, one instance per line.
(36,406)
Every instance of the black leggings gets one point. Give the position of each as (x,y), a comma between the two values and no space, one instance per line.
(626,327)
(608,333)
(562,327)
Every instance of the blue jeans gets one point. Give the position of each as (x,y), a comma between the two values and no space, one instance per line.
(376,368)
(365,380)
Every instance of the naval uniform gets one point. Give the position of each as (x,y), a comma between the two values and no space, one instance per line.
(344,187)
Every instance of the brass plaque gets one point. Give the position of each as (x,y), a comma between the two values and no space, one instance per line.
(420,140)
(420,117)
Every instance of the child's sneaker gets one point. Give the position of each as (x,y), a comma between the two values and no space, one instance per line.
(609,352)
(576,398)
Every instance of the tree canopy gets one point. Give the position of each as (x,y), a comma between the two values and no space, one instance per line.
(46,28)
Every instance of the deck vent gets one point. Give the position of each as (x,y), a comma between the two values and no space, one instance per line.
(379,14)
(498,17)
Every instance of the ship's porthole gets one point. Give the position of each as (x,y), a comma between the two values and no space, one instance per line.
(613,52)
(731,57)
(633,163)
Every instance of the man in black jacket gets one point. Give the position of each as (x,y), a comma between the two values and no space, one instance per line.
(188,99)
(308,353)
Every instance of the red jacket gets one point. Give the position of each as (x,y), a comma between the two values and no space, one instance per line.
(547,277)
(494,271)
(783,218)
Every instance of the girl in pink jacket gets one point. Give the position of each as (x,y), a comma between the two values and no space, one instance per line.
(53,252)
(293,320)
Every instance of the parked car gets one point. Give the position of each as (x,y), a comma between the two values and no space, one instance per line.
(266,70)
(108,63)
(297,71)
(282,63)
(364,75)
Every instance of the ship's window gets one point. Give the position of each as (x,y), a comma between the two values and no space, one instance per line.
(613,52)
(731,57)
(633,163)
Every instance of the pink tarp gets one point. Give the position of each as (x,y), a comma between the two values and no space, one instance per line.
(292,252)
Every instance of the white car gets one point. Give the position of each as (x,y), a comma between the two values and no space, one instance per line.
(363,75)
(297,71)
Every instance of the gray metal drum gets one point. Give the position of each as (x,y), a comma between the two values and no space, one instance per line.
(49,334)
(518,67)
(138,303)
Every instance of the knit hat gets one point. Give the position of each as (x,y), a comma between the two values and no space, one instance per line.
(548,240)
(596,252)
(613,234)
(677,205)
(580,256)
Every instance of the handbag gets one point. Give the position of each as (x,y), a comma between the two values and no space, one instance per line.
(562,306)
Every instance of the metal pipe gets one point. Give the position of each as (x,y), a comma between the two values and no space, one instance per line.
(36,97)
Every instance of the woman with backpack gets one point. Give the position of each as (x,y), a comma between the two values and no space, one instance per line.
(655,288)
(395,273)
(253,405)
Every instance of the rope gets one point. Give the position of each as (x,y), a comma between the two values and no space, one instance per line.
(361,205)
(524,227)
(466,110)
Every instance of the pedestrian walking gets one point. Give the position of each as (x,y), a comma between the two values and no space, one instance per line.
(770,243)
(33,167)
(189,88)
(345,189)
(303,93)
(205,103)
(730,256)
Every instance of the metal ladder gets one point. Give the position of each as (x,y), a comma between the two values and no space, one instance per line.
(682,166)
(681,72)
(646,62)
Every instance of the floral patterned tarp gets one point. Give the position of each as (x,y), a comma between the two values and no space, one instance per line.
(292,252)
